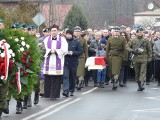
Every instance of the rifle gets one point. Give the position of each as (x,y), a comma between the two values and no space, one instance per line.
(136,51)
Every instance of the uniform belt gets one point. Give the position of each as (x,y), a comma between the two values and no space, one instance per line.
(116,50)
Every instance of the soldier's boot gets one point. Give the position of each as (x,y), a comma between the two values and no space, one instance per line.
(0,113)
(6,111)
(25,102)
(19,108)
(140,88)
(79,86)
(29,102)
(36,98)
(115,85)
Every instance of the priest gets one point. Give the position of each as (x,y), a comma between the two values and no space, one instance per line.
(56,47)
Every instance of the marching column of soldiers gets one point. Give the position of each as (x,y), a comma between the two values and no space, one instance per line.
(65,53)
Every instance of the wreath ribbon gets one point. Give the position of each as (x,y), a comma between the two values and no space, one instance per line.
(6,60)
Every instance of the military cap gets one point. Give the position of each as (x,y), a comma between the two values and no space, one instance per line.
(140,29)
(23,25)
(29,28)
(135,27)
(123,27)
(33,27)
(45,30)
(1,20)
(16,25)
(77,29)
(116,28)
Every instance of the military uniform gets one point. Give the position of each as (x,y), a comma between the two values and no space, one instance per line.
(140,59)
(114,52)
(82,60)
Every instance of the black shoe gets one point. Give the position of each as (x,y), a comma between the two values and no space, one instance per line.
(36,98)
(0,113)
(95,84)
(29,102)
(121,85)
(53,99)
(41,94)
(65,94)
(140,87)
(19,108)
(107,83)
(6,111)
(25,102)
(158,84)
(102,85)
(24,105)
(147,83)
(78,88)
(114,85)
(124,85)
(71,94)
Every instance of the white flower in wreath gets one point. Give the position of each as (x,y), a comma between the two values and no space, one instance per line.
(2,77)
(10,51)
(22,38)
(16,39)
(13,54)
(27,46)
(8,46)
(2,55)
(23,43)
(9,56)
(22,49)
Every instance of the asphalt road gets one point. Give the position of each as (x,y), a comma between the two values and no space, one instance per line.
(92,103)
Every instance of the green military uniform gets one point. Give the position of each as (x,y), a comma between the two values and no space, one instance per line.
(114,52)
(82,60)
(140,59)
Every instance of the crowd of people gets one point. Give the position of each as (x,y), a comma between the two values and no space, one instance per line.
(66,51)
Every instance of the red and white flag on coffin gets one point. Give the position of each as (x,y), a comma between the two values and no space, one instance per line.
(18,80)
(95,61)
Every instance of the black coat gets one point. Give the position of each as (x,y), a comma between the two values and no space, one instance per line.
(74,46)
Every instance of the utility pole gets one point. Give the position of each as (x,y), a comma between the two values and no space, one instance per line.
(114,12)
(52,12)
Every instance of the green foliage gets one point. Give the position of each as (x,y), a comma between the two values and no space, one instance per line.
(74,18)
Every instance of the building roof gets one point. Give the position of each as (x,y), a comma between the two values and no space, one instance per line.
(155,12)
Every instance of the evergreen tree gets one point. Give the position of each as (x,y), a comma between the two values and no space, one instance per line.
(74,18)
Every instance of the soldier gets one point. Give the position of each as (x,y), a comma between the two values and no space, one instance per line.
(82,58)
(141,48)
(4,104)
(115,49)
(24,27)
(46,33)
(15,26)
